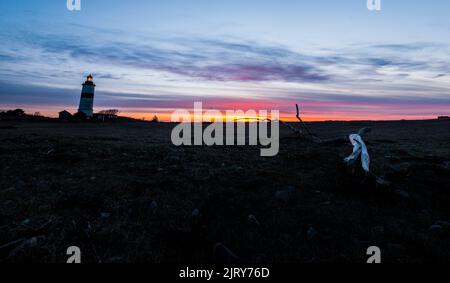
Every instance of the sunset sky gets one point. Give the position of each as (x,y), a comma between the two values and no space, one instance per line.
(337,59)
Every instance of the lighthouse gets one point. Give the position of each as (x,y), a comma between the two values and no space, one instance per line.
(87,97)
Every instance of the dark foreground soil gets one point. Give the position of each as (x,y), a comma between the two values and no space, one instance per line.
(123,193)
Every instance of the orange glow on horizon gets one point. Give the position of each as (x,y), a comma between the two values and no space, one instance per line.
(310,111)
(166,117)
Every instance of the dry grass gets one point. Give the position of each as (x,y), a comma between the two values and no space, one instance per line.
(123,193)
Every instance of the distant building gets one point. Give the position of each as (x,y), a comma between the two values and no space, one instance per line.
(106,115)
(65,115)
(87,97)
(444,118)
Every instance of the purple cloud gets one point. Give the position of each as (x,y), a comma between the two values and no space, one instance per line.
(256,72)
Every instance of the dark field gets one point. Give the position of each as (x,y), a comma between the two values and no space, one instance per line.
(123,193)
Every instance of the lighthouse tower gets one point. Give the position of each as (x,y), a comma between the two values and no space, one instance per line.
(87,97)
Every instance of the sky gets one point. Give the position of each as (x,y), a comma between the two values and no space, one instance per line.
(337,59)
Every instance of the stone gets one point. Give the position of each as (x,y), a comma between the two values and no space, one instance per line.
(196,212)
(312,233)
(445,224)
(284,194)
(26,222)
(253,220)
(436,229)
(447,164)
(402,194)
(440,228)
(105,215)
(154,205)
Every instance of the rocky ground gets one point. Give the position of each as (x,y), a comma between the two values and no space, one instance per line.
(123,193)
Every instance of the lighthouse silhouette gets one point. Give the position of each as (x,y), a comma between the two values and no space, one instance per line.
(87,97)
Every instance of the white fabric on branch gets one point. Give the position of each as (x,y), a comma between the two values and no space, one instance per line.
(359,149)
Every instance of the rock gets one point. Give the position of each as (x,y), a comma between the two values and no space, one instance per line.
(440,228)
(236,168)
(196,212)
(447,164)
(252,220)
(436,229)
(26,222)
(312,233)
(402,194)
(105,215)
(285,194)
(445,225)
(154,205)
(282,196)
(382,182)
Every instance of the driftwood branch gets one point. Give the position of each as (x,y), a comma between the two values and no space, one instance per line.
(292,128)
(344,140)
(338,140)
(303,124)
(314,138)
